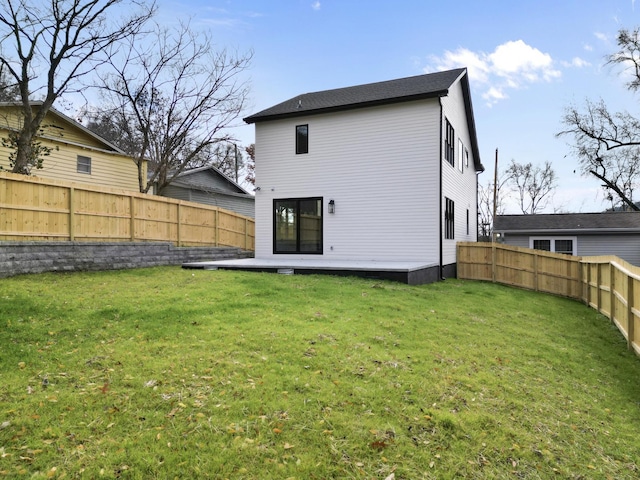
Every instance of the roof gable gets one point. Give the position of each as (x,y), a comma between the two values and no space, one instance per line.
(431,85)
(59,127)
(208,178)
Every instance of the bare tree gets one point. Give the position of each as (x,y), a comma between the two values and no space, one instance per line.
(9,91)
(251,164)
(54,44)
(178,94)
(606,143)
(485,205)
(534,185)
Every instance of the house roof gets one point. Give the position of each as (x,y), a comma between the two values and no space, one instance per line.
(183,179)
(432,85)
(564,223)
(108,146)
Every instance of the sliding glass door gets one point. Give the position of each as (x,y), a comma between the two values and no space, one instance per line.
(297,225)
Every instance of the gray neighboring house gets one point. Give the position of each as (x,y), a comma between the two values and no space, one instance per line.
(210,186)
(582,234)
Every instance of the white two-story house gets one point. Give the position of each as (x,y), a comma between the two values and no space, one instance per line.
(382,172)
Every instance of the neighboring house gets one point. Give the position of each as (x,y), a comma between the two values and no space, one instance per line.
(582,234)
(210,186)
(77,154)
(379,172)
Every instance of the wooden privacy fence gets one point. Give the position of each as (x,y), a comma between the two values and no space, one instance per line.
(33,208)
(606,283)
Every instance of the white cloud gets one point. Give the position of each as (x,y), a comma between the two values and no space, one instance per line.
(316,5)
(576,62)
(512,65)
(601,36)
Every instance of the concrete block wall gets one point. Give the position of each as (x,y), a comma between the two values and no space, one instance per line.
(36,257)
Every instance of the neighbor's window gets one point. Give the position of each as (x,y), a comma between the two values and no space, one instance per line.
(449,226)
(466,158)
(449,145)
(84,164)
(302,139)
(460,155)
(297,225)
(565,245)
(542,245)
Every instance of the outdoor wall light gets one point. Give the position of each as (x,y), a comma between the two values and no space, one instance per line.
(332,206)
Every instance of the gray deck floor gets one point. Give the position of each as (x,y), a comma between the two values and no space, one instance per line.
(413,273)
(278,264)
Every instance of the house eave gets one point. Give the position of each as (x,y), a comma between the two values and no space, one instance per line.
(340,108)
(573,232)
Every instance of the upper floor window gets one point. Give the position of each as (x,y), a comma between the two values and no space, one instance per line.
(84,164)
(449,144)
(460,155)
(302,138)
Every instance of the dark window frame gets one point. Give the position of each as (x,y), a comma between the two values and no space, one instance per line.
(449,143)
(449,219)
(302,139)
(298,224)
(83,164)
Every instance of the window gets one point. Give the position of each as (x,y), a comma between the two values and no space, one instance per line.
(565,245)
(297,225)
(467,221)
(449,231)
(542,245)
(302,139)
(460,155)
(466,158)
(449,145)
(84,164)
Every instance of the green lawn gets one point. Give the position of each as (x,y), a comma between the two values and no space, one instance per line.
(171,373)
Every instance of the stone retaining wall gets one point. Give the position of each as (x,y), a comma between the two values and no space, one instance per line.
(37,257)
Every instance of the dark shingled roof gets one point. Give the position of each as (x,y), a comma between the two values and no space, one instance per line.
(431,85)
(380,93)
(610,222)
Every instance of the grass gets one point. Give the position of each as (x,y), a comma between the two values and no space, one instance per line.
(170,373)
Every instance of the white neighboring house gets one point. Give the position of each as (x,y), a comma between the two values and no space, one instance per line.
(382,172)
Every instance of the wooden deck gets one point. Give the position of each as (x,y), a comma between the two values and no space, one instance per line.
(412,273)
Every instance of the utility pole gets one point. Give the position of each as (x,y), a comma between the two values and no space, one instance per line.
(495,199)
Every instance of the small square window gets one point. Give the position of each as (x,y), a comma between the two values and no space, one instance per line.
(84,164)
(302,139)
(564,246)
(542,245)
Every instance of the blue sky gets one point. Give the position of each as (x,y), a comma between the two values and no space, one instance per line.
(527,61)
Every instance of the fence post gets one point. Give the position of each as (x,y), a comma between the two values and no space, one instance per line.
(246,233)
(217,221)
(631,319)
(535,271)
(598,290)
(179,242)
(72,220)
(493,260)
(132,218)
(585,275)
(612,292)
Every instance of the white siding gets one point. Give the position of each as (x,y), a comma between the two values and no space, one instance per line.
(461,187)
(379,164)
